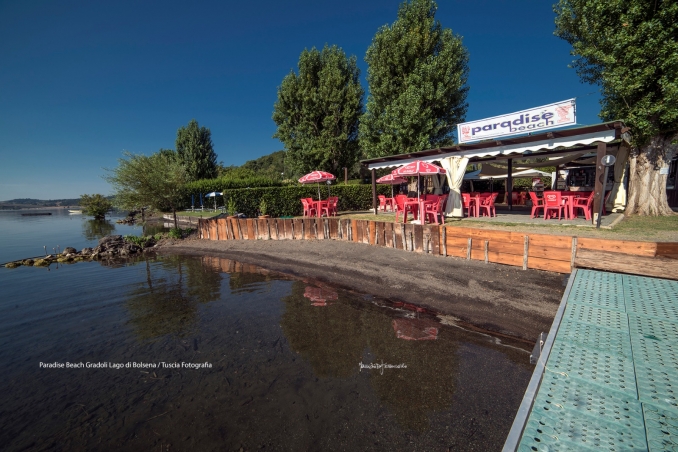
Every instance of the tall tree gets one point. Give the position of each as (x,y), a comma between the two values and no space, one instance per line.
(630,49)
(155,181)
(417,78)
(317,112)
(196,152)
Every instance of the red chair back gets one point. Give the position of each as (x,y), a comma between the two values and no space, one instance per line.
(552,199)
(535,201)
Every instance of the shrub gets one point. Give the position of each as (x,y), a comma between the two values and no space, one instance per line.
(285,201)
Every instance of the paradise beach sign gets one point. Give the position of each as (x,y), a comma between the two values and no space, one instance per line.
(535,119)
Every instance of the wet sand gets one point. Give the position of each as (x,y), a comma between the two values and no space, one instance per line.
(498,298)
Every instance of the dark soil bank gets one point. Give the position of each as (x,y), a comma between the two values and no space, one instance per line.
(499,298)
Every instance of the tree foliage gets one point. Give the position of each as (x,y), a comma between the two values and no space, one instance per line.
(630,49)
(155,181)
(317,112)
(417,79)
(196,152)
(271,165)
(95,205)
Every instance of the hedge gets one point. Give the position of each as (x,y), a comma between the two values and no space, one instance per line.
(285,201)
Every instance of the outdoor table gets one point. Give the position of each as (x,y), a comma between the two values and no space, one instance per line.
(389,202)
(411,202)
(568,201)
(319,205)
(475,202)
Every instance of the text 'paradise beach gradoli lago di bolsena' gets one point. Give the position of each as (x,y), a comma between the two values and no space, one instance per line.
(127,365)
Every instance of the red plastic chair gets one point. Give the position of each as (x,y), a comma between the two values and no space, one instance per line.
(487,203)
(469,204)
(434,209)
(537,203)
(553,201)
(309,208)
(586,204)
(330,208)
(400,207)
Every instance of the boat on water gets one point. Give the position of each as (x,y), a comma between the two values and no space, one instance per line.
(75,212)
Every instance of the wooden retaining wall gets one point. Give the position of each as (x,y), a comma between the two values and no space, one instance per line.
(539,251)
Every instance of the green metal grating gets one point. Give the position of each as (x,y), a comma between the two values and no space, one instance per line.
(601,338)
(597,316)
(598,367)
(661,427)
(611,378)
(657,385)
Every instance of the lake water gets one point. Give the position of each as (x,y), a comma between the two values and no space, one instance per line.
(202,353)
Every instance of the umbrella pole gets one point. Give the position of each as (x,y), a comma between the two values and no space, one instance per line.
(319,191)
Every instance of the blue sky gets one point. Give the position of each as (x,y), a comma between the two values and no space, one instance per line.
(81,81)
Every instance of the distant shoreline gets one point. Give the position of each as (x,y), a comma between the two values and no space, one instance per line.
(42,208)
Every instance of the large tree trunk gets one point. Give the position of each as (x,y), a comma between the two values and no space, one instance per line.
(647,187)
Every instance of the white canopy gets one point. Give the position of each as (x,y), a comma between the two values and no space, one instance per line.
(493,172)
(549,144)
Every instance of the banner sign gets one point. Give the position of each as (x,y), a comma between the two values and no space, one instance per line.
(535,119)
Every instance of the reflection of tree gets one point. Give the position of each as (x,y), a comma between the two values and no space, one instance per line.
(167,302)
(333,340)
(329,338)
(96,229)
(246,282)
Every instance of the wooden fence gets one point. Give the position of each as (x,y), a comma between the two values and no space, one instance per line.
(539,251)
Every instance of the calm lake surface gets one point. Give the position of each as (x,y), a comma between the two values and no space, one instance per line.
(203,353)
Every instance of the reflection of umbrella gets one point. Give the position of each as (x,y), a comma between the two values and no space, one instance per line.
(317,177)
(214,195)
(391,179)
(415,329)
(320,296)
(417,168)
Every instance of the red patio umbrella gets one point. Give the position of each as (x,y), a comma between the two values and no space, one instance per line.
(418,168)
(317,177)
(392,180)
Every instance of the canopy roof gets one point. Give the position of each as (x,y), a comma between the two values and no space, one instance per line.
(493,172)
(578,139)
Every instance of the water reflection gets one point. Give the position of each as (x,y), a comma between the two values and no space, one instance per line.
(337,339)
(320,295)
(242,278)
(167,302)
(96,229)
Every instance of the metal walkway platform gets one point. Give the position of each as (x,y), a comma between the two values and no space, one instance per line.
(607,378)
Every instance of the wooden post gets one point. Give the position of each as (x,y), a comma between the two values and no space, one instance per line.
(374,192)
(487,246)
(468,248)
(444,238)
(600,183)
(574,253)
(526,250)
(402,236)
(345,176)
(509,185)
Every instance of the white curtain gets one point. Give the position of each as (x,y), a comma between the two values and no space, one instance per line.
(455,168)
(617,200)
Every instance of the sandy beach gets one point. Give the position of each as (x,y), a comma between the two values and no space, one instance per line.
(498,298)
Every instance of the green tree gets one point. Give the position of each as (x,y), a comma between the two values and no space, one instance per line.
(417,74)
(630,49)
(196,152)
(317,112)
(95,205)
(155,181)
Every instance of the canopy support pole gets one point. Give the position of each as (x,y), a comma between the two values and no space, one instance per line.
(374,192)
(509,184)
(600,183)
